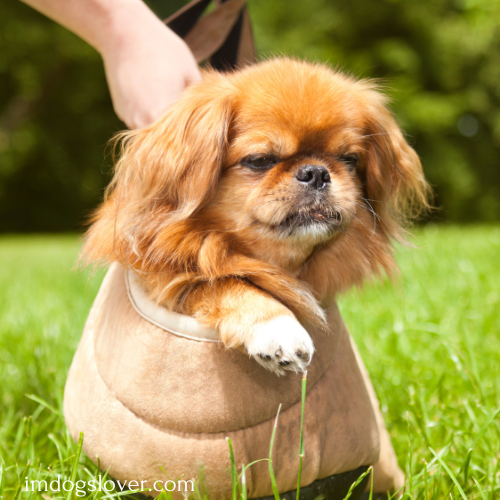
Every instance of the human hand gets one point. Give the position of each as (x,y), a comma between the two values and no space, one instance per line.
(147,66)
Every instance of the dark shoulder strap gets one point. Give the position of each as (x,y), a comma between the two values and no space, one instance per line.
(223,36)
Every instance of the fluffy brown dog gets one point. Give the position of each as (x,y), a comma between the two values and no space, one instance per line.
(257,198)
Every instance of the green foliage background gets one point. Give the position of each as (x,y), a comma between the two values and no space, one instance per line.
(439,60)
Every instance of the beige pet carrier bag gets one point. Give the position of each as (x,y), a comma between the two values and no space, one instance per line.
(156,395)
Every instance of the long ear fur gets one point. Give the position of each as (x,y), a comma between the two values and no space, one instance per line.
(166,173)
(394,177)
(395,192)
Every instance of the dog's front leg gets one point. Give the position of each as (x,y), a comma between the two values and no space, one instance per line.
(251,320)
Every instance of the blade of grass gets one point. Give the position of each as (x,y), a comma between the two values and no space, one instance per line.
(466,466)
(58,447)
(485,426)
(28,430)
(255,461)
(301,446)
(473,363)
(371,487)
(271,470)
(431,467)
(422,416)
(409,474)
(426,481)
(246,467)
(437,486)
(463,468)
(492,481)
(74,468)
(360,478)
(2,479)
(234,473)
(243,483)
(17,442)
(21,482)
(447,469)
(466,463)
(44,403)
(483,495)
(197,491)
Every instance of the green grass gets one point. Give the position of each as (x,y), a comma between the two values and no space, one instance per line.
(430,342)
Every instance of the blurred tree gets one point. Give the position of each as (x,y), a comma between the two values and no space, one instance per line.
(439,59)
(56,118)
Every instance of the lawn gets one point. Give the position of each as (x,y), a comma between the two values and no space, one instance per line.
(430,342)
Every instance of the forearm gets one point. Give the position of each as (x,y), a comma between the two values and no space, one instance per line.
(104,24)
(249,319)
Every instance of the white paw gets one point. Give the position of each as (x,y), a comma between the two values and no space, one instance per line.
(281,344)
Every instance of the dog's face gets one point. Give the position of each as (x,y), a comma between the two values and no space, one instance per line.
(291,175)
(284,160)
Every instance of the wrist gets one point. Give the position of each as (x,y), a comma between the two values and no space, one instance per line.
(130,24)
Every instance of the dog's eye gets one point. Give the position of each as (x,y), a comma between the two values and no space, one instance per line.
(260,162)
(351,160)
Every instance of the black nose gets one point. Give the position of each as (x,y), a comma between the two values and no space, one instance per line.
(315,176)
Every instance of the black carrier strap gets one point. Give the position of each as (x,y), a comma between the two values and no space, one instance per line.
(223,37)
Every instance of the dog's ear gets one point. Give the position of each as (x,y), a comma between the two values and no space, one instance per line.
(165,173)
(394,181)
(177,161)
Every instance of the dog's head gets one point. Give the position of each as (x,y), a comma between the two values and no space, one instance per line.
(287,159)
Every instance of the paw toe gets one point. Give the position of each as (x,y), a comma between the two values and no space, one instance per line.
(265,357)
(281,344)
(303,355)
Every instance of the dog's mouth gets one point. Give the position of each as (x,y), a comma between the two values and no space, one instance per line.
(322,219)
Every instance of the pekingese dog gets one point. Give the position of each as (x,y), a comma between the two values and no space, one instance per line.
(258,197)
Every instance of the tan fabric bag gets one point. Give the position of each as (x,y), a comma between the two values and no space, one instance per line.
(153,388)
